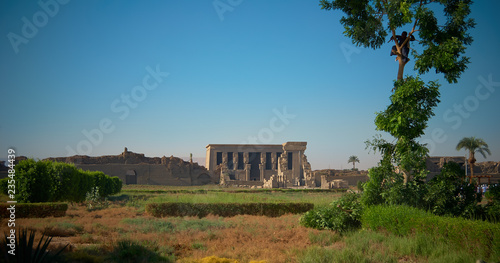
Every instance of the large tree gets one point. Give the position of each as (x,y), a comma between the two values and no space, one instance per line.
(353,159)
(442,40)
(473,145)
(369,23)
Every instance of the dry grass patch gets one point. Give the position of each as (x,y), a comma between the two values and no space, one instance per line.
(251,238)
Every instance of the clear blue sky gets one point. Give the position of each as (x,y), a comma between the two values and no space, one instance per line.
(84,63)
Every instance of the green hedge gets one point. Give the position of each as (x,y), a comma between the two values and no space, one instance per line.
(46,181)
(226,209)
(478,237)
(342,215)
(34,210)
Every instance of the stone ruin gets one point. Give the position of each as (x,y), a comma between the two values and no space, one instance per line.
(135,168)
(261,166)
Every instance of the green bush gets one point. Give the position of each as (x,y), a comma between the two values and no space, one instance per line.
(360,186)
(33,181)
(83,183)
(493,193)
(385,186)
(62,176)
(3,185)
(34,210)
(492,208)
(449,193)
(45,181)
(478,237)
(100,183)
(374,188)
(226,209)
(117,184)
(342,215)
(131,251)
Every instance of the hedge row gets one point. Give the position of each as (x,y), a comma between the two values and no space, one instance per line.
(46,181)
(478,237)
(226,209)
(34,210)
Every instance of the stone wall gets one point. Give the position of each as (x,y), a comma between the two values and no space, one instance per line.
(136,168)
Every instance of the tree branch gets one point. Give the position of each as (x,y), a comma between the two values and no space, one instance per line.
(413,29)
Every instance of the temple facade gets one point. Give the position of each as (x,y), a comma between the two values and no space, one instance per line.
(274,165)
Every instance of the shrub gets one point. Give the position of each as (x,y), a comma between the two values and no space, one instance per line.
(492,208)
(131,251)
(83,183)
(478,237)
(226,209)
(45,181)
(375,186)
(342,215)
(35,210)
(3,185)
(360,186)
(493,193)
(63,181)
(100,182)
(449,194)
(33,181)
(117,185)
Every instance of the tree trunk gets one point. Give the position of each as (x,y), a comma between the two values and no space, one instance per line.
(353,165)
(472,161)
(401,67)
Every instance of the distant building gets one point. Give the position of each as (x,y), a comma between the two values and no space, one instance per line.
(435,164)
(284,164)
(135,168)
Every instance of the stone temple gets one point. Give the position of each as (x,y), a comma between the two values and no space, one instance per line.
(267,165)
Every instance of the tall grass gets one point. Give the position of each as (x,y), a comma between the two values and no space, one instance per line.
(175,224)
(370,246)
(318,199)
(474,236)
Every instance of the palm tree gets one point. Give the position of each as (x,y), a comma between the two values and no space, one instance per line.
(353,159)
(473,145)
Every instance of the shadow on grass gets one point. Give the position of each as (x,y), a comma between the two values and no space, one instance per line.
(122,252)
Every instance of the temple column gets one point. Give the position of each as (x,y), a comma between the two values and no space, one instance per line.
(235,160)
(261,167)
(247,171)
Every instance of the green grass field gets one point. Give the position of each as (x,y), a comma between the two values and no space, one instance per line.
(141,195)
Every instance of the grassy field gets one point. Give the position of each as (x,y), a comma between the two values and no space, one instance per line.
(120,230)
(139,196)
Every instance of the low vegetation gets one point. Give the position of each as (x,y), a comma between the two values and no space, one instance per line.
(34,210)
(374,246)
(125,229)
(27,250)
(226,209)
(475,236)
(320,199)
(342,215)
(46,181)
